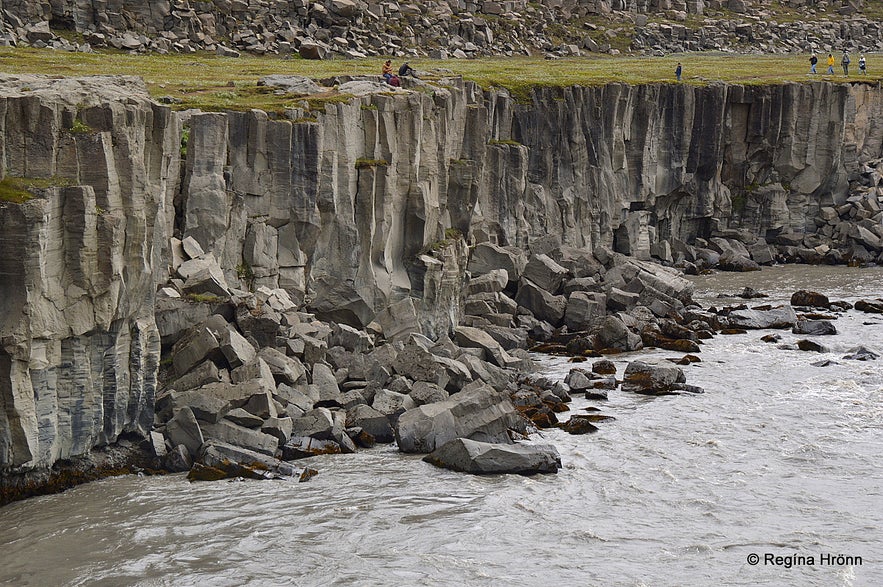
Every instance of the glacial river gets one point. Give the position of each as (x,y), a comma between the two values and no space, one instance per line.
(777,459)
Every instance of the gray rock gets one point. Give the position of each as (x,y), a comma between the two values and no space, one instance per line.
(236,349)
(646,378)
(243,418)
(371,421)
(326,385)
(203,374)
(423,392)
(199,344)
(184,429)
(214,453)
(545,273)
(279,427)
(178,460)
(231,433)
(814,327)
(292,84)
(541,303)
(487,257)
(468,337)
(351,339)
(483,458)
(583,309)
(389,402)
(317,423)
(481,414)
(781,317)
(611,332)
(861,353)
(285,369)
(205,407)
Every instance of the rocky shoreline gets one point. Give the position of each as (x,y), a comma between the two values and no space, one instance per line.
(375,268)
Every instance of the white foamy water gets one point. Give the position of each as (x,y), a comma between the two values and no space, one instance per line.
(777,457)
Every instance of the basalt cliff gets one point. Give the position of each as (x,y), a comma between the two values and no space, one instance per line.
(370,219)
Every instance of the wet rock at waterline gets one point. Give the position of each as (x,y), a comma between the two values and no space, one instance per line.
(649,379)
(814,328)
(861,354)
(484,458)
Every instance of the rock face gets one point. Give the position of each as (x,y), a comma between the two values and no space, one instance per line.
(80,346)
(360,212)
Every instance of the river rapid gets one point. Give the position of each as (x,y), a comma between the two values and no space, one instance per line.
(778,458)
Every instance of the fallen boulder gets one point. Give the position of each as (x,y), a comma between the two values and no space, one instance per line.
(650,379)
(814,328)
(484,458)
(781,317)
(482,414)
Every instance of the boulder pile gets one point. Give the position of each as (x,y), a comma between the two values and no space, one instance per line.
(439,28)
(253,384)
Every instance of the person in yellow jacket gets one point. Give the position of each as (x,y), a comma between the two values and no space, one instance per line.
(830,64)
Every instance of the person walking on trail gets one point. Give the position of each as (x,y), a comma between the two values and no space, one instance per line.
(844,63)
(830,64)
(812,63)
(678,71)
(862,65)
(387,70)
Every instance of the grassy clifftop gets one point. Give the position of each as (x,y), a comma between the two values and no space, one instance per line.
(217,83)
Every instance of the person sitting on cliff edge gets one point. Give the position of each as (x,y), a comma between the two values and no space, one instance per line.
(406,69)
(387,70)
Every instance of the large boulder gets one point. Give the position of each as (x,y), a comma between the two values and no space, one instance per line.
(812,299)
(288,370)
(781,317)
(650,379)
(231,433)
(814,327)
(611,332)
(540,302)
(183,429)
(545,273)
(371,421)
(481,414)
(483,458)
(214,454)
(583,309)
(468,337)
(487,256)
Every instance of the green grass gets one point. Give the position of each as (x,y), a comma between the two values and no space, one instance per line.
(19,190)
(204,80)
(79,127)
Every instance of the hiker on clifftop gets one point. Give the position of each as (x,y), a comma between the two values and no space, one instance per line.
(678,71)
(812,63)
(830,64)
(387,70)
(862,65)
(406,69)
(844,63)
